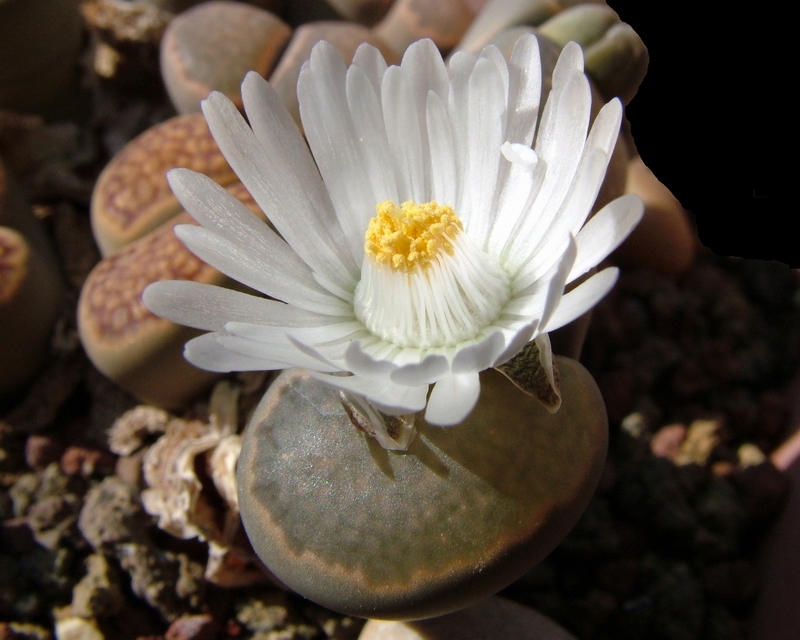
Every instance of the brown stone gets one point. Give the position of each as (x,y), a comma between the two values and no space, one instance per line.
(85,461)
(200,627)
(40,451)
(667,441)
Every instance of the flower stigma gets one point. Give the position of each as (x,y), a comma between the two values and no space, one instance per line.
(424,283)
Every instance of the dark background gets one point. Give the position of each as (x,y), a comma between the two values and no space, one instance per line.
(708,115)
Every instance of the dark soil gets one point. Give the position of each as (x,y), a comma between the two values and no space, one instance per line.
(666,549)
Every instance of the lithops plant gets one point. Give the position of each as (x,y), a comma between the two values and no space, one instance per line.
(133,216)
(31,289)
(500,15)
(453,519)
(616,58)
(616,61)
(345,37)
(352,488)
(492,618)
(213,45)
(444,22)
(30,298)
(132,197)
(137,350)
(140,352)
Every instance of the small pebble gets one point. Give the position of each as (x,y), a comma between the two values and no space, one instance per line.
(77,629)
(112,514)
(667,441)
(85,461)
(171,583)
(40,451)
(129,468)
(202,627)
(701,438)
(750,455)
(98,594)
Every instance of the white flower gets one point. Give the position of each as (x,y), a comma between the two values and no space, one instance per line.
(424,242)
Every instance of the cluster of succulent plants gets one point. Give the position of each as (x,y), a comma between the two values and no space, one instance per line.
(121,509)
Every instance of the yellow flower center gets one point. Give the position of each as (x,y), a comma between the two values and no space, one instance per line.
(424,282)
(410,237)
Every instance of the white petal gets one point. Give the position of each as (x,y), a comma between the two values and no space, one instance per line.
(546,357)
(280,356)
(569,61)
(428,370)
(391,398)
(605,232)
(517,195)
(371,62)
(444,165)
(588,178)
(279,181)
(516,341)
(452,399)
(275,129)
(582,298)
(493,55)
(314,336)
(363,364)
(479,356)
(259,271)
(571,215)
(556,287)
(207,353)
(461,65)
(426,72)
(540,299)
(224,215)
(331,135)
(524,90)
(367,114)
(404,132)
(485,128)
(559,145)
(205,306)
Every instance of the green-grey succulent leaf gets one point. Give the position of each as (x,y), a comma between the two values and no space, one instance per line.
(403,535)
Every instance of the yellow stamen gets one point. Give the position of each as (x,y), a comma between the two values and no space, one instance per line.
(410,237)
